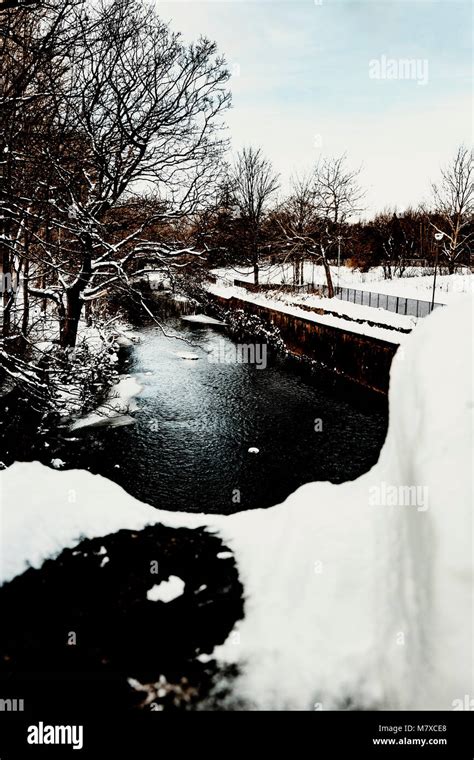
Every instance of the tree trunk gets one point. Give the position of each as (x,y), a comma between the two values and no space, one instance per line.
(5,299)
(88,313)
(71,320)
(255,256)
(44,301)
(68,331)
(327,270)
(6,283)
(26,295)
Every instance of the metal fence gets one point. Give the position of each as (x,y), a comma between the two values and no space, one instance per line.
(412,307)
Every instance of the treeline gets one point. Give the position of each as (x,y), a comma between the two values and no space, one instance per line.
(317,221)
(246,223)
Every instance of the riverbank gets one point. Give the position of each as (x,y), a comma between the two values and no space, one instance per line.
(351,343)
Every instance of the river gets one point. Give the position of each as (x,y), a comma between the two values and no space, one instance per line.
(196,421)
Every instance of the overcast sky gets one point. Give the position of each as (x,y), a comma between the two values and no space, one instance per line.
(301,85)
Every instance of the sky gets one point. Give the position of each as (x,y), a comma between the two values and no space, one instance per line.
(314,78)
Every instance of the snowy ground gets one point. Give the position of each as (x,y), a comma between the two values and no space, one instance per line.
(414,283)
(117,408)
(361,320)
(202,319)
(355,311)
(353,598)
(120,402)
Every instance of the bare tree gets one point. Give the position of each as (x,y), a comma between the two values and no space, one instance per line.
(337,193)
(298,220)
(317,211)
(337,196)
(254,183)
(136,109)
(453,201)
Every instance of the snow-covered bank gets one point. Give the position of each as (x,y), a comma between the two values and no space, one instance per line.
(344,318)
(352,599)
(347,309)
(116,409)
(202,319)
(72,380)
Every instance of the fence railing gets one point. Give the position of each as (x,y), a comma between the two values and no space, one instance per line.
(412,307)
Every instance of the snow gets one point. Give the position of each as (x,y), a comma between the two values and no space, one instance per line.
(63,507)
(202,319)
(448,287)
(188,355)
(166,591)
(123,341)
(44,346)
(344,598)
(116,410)
(334,306)
(415,283)
(348,309)
(159,278)
(69,395)
(328,319)
(57,463)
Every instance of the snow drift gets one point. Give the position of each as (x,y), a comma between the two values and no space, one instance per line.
(357,595)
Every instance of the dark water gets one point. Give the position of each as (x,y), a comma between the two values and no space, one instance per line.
(188,449)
